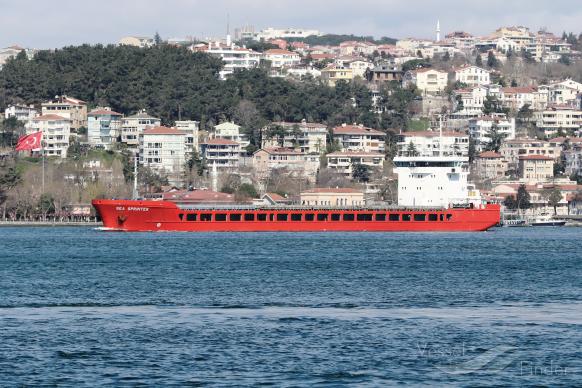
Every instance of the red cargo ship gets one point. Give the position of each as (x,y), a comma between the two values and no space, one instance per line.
(152,215)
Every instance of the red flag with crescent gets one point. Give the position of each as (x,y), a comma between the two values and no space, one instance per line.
(30,142)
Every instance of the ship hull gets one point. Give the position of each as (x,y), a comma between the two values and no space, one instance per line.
(145,216)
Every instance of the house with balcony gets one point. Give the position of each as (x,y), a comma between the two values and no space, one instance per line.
(223,153)
(133,126)
(481,128)
(472,76)
(73,109)
(303,136)
(359,138)
(286,160)
(428,81)
(559,118)
(163,150)
(56,132)
(342,162)
(536,168)
(103,127)
(490,165)
(433,143)
(23,113)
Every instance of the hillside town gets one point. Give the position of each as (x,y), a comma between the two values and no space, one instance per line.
(494,118)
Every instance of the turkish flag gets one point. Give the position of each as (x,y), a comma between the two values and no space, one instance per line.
(30,142)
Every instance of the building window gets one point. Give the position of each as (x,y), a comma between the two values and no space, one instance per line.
(310,217)
(322,217)
(205,217)
(433,217)
(420,217)
(250,217)
(380,217)
(235,217)
(296,217)
(394,217)
(282,217)
(262,217)
(220,217)
(335,217)
(349,217)
(406,217)
(364,217)
(191,217)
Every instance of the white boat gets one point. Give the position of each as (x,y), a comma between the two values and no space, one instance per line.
(547,220)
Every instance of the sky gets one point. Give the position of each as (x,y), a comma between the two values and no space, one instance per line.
(58,23)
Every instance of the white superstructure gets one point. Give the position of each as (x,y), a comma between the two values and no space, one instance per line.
(438,181)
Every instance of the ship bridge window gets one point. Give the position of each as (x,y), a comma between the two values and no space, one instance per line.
(420,217)
(310,217)
(364,217)
(249,217)
(235,217)
(262,217)
(205,217)
(191,217)
(296,217)
(322,217)
(349,217)
(433,217)
(220,217)
(406,217)
(336,217)
(282,216)
(394,217)
(380,217)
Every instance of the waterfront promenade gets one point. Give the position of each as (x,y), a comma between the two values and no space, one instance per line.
(50,223)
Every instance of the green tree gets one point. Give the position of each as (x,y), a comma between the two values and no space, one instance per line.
(554,197)
(46,205)
(411,149)
(361,172)
(523,199)
(495,139)
(492,61)
(478,60)
(9,179)
(510,202)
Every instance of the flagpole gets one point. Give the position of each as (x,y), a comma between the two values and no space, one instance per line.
(42,152)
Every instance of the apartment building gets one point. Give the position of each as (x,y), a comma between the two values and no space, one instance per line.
(433,143)
(222,152)
(557,118)
(23,113)
(56,132)
(359,138)
(490,165)
(513,149)
(281,58)
(303,136)
(343,162)
(70,108)
(289,160)
(536,168)
(482,127)
(428,81)
(103,127)
(163,150)
(472,76)
(133,126)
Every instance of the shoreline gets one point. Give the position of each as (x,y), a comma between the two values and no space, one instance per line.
(50,223)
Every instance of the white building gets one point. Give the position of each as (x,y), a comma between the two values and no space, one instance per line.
(287,160)
(137,41)
(472,75)
(103,127)
(21,112)
(432,143)
(284,33)
(480,129)
(564,92)
(359,138)
(429,81)
(163,150)
(343,162)
(232,56)
(281,58)
(470,102)
(191,129)
(359,65)
(433,181)
(231,131)
(225,154)
(133,126)
(557,118)
(306,137)
(56,132)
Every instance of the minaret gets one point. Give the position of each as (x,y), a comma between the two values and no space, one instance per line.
(228,40)
(438,31)
(214,177)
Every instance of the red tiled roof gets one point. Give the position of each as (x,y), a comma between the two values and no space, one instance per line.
(99,112)
(490,155)
(535,157)
(519,90)
(276,197)
(163,131)
(332,190)
(356,130)
(50,116)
